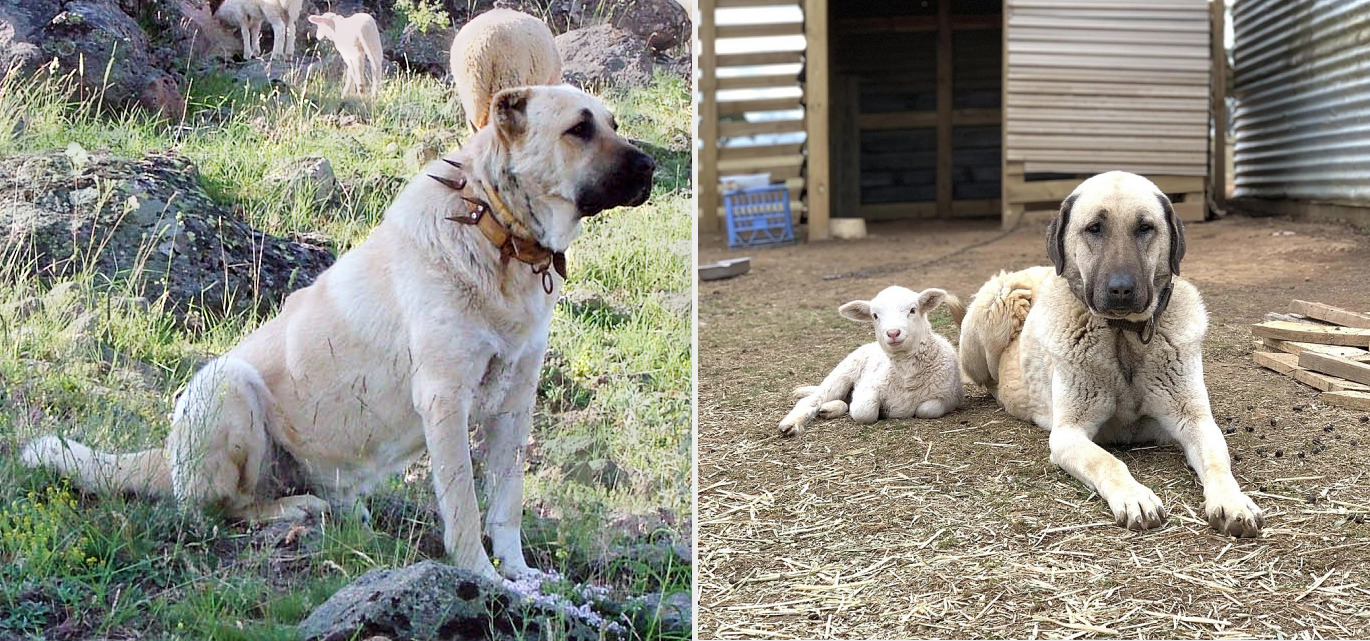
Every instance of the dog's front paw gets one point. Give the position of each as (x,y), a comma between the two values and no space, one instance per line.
(1233,513)
(1137,508)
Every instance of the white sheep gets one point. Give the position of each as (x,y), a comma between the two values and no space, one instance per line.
(908,371)
(357,40)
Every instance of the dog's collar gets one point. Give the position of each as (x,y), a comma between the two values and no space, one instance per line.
(1146,330)
(494,220)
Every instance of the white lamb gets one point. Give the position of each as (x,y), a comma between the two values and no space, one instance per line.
(355,36)
(908,371)
(248,16)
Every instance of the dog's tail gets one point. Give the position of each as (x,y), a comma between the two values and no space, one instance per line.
(144,472)
(994,320)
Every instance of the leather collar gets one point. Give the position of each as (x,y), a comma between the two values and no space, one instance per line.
(494,220)
(1146,330)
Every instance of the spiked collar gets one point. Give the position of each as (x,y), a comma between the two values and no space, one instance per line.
(1146,330)
(494,220)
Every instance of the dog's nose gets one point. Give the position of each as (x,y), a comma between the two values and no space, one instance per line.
(1121,289)
(643,164)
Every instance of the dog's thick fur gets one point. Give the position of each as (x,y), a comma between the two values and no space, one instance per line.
(355,36)
(1040,341)
(248,16)
(411,339)
(498,49)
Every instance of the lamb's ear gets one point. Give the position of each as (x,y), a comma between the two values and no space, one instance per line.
(320,20)
(857,310)
(1176,234)
(930,299)
(509,112)
(1056,235)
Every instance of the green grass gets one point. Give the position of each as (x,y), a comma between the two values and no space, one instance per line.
(610,465)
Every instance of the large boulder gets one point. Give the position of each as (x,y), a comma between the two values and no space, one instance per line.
(97,40)
(146,222)
(602,56)
(431,600)
(664,24)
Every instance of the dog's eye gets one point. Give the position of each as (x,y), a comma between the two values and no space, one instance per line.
(1094,228)
(583,130)
(1145,228)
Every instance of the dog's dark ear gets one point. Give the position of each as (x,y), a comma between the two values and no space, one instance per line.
(1176,234)
(1056,235)
(509,110)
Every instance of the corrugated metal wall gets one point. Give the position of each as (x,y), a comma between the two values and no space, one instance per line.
(1095,85)
(1302,87)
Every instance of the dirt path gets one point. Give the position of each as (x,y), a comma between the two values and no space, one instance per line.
(960,527)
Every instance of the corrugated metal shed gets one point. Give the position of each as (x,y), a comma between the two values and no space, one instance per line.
(1095,85)
(1302,87)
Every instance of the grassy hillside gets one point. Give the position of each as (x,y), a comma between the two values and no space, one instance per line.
(609,468)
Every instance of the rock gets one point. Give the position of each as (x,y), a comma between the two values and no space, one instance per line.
(663,24)
(603,56)
(431,600)
(98,38)
(21,24)
(307,177)
(425,52)
(155,228)
(673,614)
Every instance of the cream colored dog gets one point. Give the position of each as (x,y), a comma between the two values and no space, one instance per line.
(498,49)
(434,326)
(1107,348)
(355,36)
(248,16)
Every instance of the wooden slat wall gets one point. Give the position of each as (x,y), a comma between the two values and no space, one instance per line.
(723,121)
(1108,84)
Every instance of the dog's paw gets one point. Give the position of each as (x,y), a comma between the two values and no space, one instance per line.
(1137,508)
(1234,513)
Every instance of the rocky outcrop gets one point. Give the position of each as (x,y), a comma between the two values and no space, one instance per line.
(146,222)
(663,24)
(603,56)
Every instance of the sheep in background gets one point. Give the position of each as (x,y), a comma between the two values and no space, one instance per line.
(908,371)
(354,36)
(501,49)
(248,16)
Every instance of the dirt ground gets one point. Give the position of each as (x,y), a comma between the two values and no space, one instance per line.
(960,527)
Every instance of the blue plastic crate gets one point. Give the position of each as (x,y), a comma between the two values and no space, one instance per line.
(759,216)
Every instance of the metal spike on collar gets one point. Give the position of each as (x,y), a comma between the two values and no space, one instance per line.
(453,163)
(455,185)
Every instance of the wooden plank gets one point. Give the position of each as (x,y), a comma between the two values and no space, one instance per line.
(1326,383)
(944,109)
(1277,361)
(928,209)
(1049,190)
(1139,141)
(846,144)
(759,81)
(1330,314)
(1296,347)
(819,94)
(763,30)
(759,151)
(1348,400)
(1217,155)
(1100,164)
(739,129)
(706,164)
(739,107)
(1336,366)
(915,23)
(1139,119)
(1191,211)
(1010,215)
(1323,335)
(733,4)
(760,58)
(921,119)
(759,165)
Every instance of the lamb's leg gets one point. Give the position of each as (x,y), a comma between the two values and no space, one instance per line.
(865,405)
(835,387)
(931,409)
(246,32)
(278,36)
(832,409)
(802,391)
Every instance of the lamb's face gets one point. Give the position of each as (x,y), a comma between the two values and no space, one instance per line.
(899,315)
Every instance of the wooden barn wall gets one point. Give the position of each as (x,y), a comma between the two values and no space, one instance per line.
(895,77)
(1108,84)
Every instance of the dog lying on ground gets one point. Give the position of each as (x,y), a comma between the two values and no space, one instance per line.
(248,16)
(355,36)
(498,49)
(435,325)
(1106,348)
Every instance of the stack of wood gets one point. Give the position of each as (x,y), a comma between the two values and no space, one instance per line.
(1321,346)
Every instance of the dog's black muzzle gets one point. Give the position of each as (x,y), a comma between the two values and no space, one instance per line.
(629,183)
